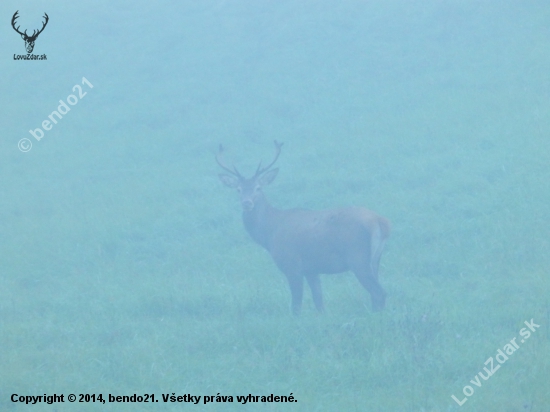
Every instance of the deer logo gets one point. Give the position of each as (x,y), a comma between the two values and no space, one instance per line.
(29,40)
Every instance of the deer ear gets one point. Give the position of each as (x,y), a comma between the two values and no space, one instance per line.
(268,177)
(230,181)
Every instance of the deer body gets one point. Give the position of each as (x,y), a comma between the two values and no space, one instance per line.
(306,243)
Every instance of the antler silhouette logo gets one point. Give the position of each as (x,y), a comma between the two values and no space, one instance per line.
(29,40)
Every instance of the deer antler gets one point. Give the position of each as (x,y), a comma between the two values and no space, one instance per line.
(15,16)
(34,33)
(261,169)
(220,161)
(43,26)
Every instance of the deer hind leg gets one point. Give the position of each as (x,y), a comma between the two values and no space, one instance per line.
(315,285)
(365,268)
(369,282)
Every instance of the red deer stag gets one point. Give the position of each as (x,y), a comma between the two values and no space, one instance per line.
(307,243)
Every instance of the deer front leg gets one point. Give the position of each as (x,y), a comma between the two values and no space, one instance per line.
(296,284)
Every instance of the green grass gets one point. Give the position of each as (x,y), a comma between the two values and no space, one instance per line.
(130,290)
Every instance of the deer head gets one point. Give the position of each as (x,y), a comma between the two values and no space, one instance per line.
(29,40)
(250,189)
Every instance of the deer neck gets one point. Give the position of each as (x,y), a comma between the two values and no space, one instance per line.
(260,222)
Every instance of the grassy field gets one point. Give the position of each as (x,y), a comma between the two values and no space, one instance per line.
(134,286)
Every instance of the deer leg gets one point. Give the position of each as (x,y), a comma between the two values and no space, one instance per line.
(377,294)
(296,283)
(365,268)
(315,285)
